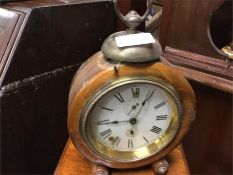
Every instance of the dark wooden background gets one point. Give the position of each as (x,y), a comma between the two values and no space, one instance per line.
(56,38)
(188,45)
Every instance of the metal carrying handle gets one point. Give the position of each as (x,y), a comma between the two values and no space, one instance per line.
(133,19)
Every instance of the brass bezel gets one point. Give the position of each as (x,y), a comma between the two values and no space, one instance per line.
(151,150)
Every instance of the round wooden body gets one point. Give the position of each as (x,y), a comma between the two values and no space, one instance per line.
(97,72)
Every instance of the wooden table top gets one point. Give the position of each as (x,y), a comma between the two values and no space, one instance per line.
(72,163)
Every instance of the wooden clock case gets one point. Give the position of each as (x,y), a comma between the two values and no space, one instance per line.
(97,72)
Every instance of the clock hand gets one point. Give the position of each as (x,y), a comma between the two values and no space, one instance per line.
(133,108)
(148,96)
(139,111)
(113,122)
(132,120)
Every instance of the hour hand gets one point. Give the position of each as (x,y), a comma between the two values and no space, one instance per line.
(105,122)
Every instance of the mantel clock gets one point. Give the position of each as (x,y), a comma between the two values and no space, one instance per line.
(126,108)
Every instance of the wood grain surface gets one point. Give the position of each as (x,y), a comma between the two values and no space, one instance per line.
(72,163)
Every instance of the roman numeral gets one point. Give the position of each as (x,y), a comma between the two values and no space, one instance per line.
(116,141)
(108,109)
(130,143)
(156,129)
(161,117)
(145,139)
(135,92)
(160,105)
(119,97)
(106,133)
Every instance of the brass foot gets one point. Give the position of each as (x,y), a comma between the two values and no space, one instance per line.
(160,167)
(99,169)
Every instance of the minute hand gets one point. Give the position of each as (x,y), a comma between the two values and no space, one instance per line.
(148,96)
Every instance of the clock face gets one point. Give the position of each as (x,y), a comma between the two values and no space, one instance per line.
(131,120)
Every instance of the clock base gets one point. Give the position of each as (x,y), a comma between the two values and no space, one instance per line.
(73,163)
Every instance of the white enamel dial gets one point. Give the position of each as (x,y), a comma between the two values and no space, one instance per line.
(131,117)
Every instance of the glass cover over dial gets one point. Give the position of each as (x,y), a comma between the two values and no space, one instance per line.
(131,119)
